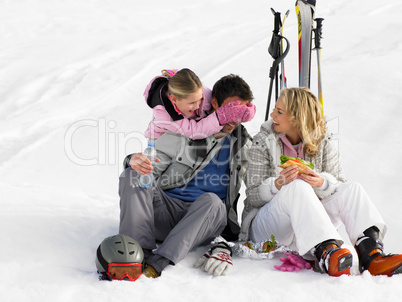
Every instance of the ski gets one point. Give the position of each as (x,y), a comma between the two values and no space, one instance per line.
(305,15)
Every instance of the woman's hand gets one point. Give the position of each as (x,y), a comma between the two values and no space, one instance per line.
(312,178)
(286,176)
(140,163)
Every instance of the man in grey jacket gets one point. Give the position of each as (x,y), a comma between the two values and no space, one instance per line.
(195,193)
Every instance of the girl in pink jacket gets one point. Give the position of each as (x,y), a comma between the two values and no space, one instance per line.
(182,105)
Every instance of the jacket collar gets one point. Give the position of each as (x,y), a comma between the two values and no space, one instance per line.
(157,96)
(174,114)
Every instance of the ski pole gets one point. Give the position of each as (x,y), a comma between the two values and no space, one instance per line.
(317,40)
(275,46)
(274,70)
(274,49)
(283,77)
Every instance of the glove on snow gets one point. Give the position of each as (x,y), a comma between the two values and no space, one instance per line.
(217,260)
(234,112)
(292,262)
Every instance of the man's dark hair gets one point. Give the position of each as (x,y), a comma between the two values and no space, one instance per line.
(231,85)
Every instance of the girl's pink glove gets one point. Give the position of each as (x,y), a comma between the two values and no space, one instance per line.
(292,262)
(234,112)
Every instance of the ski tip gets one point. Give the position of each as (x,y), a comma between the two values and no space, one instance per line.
(308,2)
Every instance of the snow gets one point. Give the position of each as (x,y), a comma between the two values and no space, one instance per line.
(71,82)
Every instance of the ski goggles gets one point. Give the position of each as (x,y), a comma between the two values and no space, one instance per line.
(119,271)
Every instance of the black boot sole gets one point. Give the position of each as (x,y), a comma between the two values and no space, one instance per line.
(397,271)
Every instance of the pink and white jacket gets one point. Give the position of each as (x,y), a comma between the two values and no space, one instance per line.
(166,118)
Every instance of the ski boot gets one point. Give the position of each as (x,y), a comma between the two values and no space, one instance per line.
(332,259)
(372,258)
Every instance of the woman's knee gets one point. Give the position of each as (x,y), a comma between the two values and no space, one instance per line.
(350,188)
(295,191)
(302,185)
(298,187)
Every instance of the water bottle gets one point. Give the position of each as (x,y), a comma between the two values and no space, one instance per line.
(150,152)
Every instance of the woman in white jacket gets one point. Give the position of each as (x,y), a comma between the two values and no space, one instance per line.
(304,211)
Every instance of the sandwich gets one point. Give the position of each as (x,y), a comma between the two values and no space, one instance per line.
(304,165)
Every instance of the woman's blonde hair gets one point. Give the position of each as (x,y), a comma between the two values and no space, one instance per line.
(182,83)
(305,111)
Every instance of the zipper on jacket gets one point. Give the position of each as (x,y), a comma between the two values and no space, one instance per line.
(196,169)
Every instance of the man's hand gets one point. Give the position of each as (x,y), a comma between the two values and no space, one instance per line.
(140,163)
(217,260)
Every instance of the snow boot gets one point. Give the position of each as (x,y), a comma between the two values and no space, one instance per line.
(332,259)
(372,258)
(150,272)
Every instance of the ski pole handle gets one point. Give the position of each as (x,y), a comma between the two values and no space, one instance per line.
(318,33)
(317,39)
(277,21)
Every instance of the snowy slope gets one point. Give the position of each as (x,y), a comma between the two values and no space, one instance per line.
(71,81)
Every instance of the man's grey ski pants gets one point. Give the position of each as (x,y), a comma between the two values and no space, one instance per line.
(149,215)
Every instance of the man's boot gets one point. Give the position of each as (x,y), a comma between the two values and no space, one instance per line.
(332,259)
(372,258)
